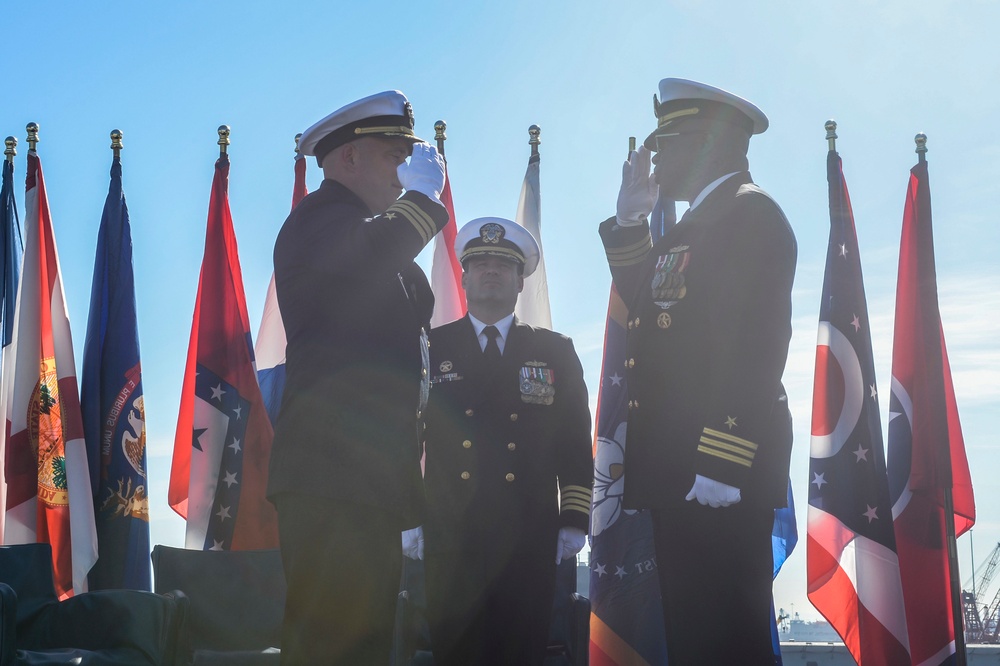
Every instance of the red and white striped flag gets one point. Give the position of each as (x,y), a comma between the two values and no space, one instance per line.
(446,271)
(49,496)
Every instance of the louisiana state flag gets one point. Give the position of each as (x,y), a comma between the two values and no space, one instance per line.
(218,474)
(926,451)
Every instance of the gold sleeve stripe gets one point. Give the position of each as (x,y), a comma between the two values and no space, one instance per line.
(583,508)
(728,447)
(724,456)
(420,220)
(580,491)
(629,255)
(730,438)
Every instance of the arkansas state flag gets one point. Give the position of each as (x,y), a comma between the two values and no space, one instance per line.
(113,405)
(48,481)
(271,340)
(926,451)
(446,271)
(852,568)
(218,475)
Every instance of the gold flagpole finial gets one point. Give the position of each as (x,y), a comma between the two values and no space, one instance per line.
(534,132)
(831,134)
(116,141)
(439,135)
(11,148)
(631,145)
(921,141)
(297,137)
(223,139)
(32,130)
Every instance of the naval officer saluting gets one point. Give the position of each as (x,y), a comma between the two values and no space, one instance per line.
(345,465)
(509,469)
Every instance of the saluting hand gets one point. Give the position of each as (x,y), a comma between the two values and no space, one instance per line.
(638,191)
(424,172)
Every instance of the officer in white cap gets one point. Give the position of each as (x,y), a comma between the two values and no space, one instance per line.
(345,467)
(508,462)
(709,310)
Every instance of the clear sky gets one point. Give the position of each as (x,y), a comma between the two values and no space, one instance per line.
(168,74)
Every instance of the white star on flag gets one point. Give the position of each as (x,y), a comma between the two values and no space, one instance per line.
(870,514)
(819,479)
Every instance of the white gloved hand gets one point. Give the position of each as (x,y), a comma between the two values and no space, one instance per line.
(638,191)
(424,172)
(413,543)
(713,493)
(571,541)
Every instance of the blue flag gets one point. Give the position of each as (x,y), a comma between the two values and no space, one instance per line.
(112,403)
(784,536)
(11,252)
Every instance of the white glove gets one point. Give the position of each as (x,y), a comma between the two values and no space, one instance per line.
(571,540)
(424,172)
(713,493)
(638,192)
(413,543)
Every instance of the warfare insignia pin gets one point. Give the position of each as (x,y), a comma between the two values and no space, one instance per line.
(491,233)
(445,366)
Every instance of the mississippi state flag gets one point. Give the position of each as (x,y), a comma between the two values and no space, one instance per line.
(926,450)
(218,474)
(446,271)
(271,341)
(48,479)
(852,568)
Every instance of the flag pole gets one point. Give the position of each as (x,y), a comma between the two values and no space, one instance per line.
(949,510)
(534,132)
(297,137)
(223,139)
(439,136)
(32,129)
(831,134)
(10,149)
(116,142)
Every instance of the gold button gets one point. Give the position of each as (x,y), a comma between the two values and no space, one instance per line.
(511,446)
(467,444)
(637,404)
(513,417)
(419,413)
(468,412)
(509,477)
(465,476)
(637,322)
(631,363)
(630,403)
(423,372)
(630,324)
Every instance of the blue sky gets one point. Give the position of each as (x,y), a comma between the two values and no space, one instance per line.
(168,74)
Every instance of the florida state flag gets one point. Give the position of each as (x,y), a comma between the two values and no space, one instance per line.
(926,450)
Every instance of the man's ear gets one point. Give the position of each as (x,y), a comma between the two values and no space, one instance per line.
(464,275)
(520,283)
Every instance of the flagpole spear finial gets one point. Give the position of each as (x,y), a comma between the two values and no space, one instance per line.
(297,137)
(535,133)
(223,139)
(921,141)
(32,130)
(11,148)
(116,141)
(439,136)
(831,134)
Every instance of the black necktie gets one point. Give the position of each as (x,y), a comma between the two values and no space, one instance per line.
(492,351)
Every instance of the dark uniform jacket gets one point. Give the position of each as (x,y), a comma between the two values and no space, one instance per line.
(498,444)
(353,304)
(708,330)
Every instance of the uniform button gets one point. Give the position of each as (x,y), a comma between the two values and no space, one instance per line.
(509,477)
(626,363)
(631,403)
(465,476)
(631,363)
(637,404)
(513,417)
(637,322)
(511,446)
(467,444)
(630,324)
(423,372)
(419,414)
(468,412)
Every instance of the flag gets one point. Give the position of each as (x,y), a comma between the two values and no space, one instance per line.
(49,496)
(446,271)
(10,254)
(218,475)
(111,398)
(926,450)
(852,568)
(533,303)
(626,619)
(270,350)
(784,537)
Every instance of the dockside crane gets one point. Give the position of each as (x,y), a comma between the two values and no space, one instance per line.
(982,628)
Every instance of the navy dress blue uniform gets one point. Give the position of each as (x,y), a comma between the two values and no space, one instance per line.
(345,470)
(508,463)
(709,310)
